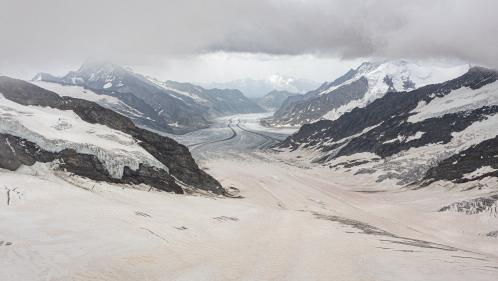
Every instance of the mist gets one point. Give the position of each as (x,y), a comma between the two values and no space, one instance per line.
(55,35)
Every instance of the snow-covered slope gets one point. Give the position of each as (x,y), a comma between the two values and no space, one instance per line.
(443,131)
(55,130)
(359,87)
(104,100)
(86,139)
(167,106)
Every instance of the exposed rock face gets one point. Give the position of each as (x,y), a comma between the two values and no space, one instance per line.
(423,134)
(220,102)
(178,159)
(282,115)
(274,99)
(492,234)
(475,163)
(481,205)
(109,79)
(15,151)
(317,107)
(168,106)
(174,156)
(358,88)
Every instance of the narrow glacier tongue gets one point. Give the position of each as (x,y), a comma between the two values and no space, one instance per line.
(55,130)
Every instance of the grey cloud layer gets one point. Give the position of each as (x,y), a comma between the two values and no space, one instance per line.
(145,30)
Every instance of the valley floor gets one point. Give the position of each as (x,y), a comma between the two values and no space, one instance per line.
(294,222)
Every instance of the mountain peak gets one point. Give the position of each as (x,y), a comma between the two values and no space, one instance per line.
(480,69)
(99,66)
(43,76)
(361,86)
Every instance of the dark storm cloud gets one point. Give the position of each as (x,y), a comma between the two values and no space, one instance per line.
(130,31)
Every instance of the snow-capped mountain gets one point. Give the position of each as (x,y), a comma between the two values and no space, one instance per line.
(274,99)
(169,106)
(83,138)
(359,87)
(256,88)
(445,131)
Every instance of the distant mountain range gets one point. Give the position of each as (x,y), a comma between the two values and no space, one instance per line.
(387,120)
(255,88)
(359,87)
(167,106)
(274,99)
(440,132)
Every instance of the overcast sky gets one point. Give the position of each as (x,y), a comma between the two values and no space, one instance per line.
(228,39)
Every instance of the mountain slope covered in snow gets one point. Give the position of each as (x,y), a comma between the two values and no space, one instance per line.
(168,106)
(444,131)
(359,87)
(86,139)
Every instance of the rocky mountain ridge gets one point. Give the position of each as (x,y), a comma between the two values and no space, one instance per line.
(358,88)
(274,99)
(84,138)
(167,106)
(444,131)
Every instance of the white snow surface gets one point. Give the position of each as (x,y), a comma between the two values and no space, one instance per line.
(165,86)
(77,92)
(479,172)
(463,99)
(295,219)
(86,94)
(55,130)
(287,226)
(417,136)
(402,138)
(421,74)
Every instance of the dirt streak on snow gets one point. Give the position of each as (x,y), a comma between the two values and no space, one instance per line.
(73,228)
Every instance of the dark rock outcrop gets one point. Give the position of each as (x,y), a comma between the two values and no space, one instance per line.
(484,154)
(474,206)
(291,107)
(274,99)
(318,106)
(15,151)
